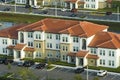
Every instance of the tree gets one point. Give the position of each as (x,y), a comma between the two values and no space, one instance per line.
(27,74)
(77,77)
(96,78)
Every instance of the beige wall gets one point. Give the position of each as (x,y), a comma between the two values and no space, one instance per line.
(102,5)
(42,49)
(64,52)
(92,62)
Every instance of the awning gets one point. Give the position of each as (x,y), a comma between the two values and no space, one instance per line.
(29,49)
(10,47)
(82,53)
(71,54)
(19,46)
(92,56)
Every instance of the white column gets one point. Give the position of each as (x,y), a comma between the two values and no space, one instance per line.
(34,55)
(69,58)
(35,2)
(77,61)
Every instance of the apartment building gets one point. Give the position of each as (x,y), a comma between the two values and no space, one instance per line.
(78,42)
(78,4)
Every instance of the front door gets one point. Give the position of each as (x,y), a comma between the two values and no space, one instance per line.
(80,61)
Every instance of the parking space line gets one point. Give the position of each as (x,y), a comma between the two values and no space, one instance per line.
(59,70)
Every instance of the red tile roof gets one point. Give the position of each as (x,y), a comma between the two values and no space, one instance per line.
(82,53)
(19,46)
(29,49)
(10,47)
(72,27)
(72,54)
(106,40)
(84,29)
(92,56)
(11,32)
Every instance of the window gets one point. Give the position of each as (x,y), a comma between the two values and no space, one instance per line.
(38,36)
(109,62)
(75,48)
(30,34)
(103,62)
(4,41)
(57,37)
(30,44)
(112,63)
(75,39)
(93,50)
(4,50)
(109,53)
(63,48)
(38,54)
(57,46)
(14,42)
(49,45)
(112,53)
(38,45)
(102,52)
(49,36)
(63,57)
(100,61)
(65,39)
(66,48)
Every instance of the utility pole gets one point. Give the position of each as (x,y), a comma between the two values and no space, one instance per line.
(87,72)
(118,13)
(15,6)
(56,8)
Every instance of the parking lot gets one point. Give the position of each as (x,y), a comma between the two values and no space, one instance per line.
(59,73)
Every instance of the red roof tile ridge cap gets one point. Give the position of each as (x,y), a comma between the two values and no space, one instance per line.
(29,25)
(81,23)
(104,43)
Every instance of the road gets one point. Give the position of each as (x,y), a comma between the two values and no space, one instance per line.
(57,12)
(58,73)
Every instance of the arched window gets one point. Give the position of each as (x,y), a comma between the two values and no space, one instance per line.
(84,44)
(21,37)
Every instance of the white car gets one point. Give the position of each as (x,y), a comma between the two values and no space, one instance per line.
(63,9)
(101,73)
(36,7)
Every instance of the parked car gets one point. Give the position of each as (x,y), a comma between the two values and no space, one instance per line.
(79,70)
(73,10)
(101,73)
(27,6)
(20,63)
(7,9)
(2,60)
(108,13)
(40,66)
(44,12)
(36,7)
(8,61)
(73,15)
(63,9)
(28,63)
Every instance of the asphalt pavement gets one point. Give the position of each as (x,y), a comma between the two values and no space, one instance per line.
(80,14)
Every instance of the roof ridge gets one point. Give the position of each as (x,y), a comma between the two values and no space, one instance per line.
(82,28)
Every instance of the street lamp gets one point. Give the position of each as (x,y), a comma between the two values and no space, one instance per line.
(15,5)
(56,8)
(118,13)
(87,72)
